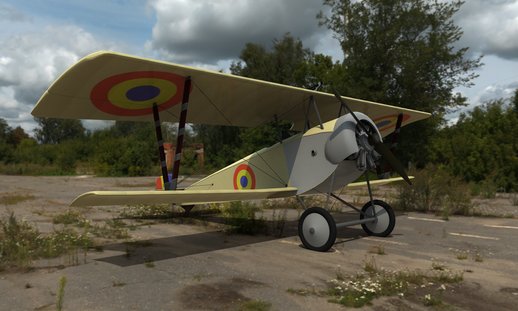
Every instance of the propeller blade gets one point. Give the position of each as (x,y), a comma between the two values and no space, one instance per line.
(376,142)
(395,135)
(383,168)
(391,159)
(337,95)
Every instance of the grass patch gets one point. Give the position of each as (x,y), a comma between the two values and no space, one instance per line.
(377,249)
(15,198)
(149,263)
(362,289)
(112,229)
(255,305)
(61,293)
(359,290)
(118,283)
(478,258)
(298,291)
(430,300)
(69,217)
(461,256)
(240,218)
(142,211)
(21,243)
(30,169)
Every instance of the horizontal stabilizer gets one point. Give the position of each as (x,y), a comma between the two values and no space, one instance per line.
(101,198)
(377,182)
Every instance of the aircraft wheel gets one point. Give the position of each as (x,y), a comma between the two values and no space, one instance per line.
(386,218)
(317,229)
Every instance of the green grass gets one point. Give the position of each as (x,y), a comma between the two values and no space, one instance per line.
(461,256)
(377,249)
(69,217)
(61,293)
(360,289)
(363,288)
(240,218)
(118,283)
(430,300)
(21,243)
(15,198)
(155,211)
(298,291)
(255,305)
(149,263)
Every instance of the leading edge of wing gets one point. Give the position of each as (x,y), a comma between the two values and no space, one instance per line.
(102,198)
(216,98)
(377,182)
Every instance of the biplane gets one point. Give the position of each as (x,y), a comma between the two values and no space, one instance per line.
(338,139)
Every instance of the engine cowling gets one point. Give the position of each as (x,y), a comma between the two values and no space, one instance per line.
(349,141)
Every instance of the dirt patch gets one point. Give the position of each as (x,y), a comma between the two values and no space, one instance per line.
(216,296)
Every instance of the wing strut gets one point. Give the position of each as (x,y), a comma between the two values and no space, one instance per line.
(181,132)
(160,141)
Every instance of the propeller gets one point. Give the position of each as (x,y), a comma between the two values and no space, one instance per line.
(383,168)
(375,141)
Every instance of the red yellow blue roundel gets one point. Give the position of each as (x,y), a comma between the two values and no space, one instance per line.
(134,93)
(244,177)
(386,122)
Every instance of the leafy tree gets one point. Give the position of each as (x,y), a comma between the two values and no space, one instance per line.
(402,52)
(55,131)
(482,146)
(220,143)
(287,63)
(17,135)
(5,149)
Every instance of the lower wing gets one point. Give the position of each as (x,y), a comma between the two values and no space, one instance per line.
(100,198)
(377,182)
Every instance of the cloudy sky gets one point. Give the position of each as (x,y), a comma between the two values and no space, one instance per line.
(39,39)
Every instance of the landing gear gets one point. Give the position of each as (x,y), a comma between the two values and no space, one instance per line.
(317,229)
(385,218)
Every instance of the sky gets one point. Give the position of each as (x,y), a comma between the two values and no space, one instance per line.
(39,39)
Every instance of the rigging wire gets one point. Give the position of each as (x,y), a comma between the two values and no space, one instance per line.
(212,103)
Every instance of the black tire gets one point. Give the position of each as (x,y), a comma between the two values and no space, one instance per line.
(386,221)
(317,229)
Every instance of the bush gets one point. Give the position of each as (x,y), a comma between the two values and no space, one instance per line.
(240,216)
(20,243)
(435,190)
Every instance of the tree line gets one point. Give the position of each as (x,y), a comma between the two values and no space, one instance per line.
(399,52)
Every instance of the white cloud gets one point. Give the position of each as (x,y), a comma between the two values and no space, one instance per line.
(490,27)
(212,30)
(31,61)
(11,14)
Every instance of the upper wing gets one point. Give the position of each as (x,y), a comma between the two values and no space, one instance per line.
(100,198)
(113,86)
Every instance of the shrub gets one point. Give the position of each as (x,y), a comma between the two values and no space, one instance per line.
(435,190)
(240,216)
